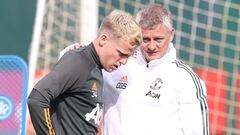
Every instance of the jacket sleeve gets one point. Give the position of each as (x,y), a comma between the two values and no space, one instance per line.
(57,82)
(40,113)
(193,106)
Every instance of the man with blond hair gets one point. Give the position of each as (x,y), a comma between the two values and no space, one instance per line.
(69,100)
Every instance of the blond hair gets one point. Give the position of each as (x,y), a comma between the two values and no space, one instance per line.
(122,26)
(152,15)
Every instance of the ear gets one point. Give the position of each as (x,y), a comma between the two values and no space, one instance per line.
(172,34)
(103,40)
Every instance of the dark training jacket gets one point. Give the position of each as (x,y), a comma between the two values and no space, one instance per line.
(68,101)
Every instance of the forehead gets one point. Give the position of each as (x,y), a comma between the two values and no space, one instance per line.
(158,30)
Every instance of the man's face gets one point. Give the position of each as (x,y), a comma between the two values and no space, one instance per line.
(155,42)
(115,53)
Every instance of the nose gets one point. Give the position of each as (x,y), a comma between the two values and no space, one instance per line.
(123,61)
(151,45)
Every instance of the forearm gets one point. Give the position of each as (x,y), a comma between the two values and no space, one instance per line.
(40,113)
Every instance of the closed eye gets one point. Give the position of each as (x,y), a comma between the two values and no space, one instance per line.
(156,39)
(122,54)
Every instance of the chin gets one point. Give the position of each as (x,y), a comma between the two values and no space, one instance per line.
(153,58)
(150,58)
(109,70)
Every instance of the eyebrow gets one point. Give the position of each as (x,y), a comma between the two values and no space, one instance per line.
(154,38)
(124,54)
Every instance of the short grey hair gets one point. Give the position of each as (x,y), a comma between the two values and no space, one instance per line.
(152,15)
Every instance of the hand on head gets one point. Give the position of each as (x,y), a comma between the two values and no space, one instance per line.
(68,48)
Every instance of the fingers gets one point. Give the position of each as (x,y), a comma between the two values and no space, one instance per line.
(77,45)
(70,47)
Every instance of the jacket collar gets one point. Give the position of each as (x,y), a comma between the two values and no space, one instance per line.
(93,53)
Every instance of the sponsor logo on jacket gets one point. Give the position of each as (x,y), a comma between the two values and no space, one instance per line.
(155,87)
(122,83)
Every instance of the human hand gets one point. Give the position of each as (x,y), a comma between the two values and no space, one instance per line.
(68,48)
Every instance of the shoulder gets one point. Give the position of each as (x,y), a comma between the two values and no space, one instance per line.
(185,73)
(186,80)
(182,68)
(75,62)
(77,56)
